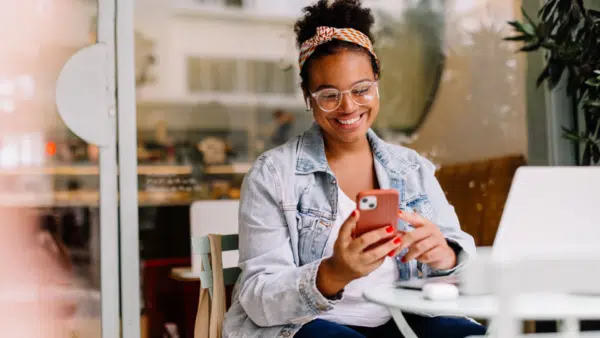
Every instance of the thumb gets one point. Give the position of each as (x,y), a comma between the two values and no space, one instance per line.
(348,227)
(412,218)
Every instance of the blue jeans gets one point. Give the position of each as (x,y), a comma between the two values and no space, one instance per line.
(424,327)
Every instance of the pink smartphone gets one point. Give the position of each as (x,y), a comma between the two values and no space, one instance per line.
(378,208)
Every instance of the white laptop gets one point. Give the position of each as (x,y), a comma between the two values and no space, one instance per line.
(547,208)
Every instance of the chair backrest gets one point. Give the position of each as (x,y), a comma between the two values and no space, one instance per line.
(202,247)
(478,192)
(213,279)
(214,217)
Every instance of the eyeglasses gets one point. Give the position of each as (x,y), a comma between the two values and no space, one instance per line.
(330,99)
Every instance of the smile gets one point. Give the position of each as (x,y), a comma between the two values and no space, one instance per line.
(349,124)
(349,121)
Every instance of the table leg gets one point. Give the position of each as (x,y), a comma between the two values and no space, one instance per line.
(405,329)
(530,326)
(570,327)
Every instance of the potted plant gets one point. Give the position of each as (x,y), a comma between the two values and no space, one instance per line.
(570,33)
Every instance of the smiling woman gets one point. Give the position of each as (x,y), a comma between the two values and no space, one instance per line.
(322,49)
(303,270)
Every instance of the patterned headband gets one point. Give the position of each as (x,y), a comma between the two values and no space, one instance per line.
(326,34)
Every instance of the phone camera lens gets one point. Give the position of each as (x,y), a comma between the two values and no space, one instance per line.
(364,200)
(371,205)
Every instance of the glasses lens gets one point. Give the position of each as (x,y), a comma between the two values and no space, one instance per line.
(363,93)
(329,99)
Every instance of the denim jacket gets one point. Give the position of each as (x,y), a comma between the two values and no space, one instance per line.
(287,209)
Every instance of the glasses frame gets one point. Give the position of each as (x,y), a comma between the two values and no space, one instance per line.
(348,91)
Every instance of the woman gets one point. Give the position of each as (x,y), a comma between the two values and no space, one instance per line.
(303,274)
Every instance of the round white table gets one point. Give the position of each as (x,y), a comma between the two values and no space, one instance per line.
(533,306)
(528,307)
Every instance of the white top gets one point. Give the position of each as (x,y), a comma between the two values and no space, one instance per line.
(542,306)
(354,309)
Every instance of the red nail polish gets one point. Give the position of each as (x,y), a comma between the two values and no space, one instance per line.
(389,229)
(391,254)
(399,212)
(397,240)
(403,259)
(354,213)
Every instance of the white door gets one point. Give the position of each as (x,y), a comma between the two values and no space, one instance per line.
(60,75)
(99,80)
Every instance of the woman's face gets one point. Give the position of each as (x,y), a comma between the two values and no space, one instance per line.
(344,71)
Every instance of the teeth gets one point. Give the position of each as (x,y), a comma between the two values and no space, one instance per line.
(354,120)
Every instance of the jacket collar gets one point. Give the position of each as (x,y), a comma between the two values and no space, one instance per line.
(312,158)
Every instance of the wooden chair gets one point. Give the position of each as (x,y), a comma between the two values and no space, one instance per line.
(213,280)
(214,217)
(478,191)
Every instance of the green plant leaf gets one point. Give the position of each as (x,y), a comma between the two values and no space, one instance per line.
(530,48)
(595,103)
(557,67)
(531,22)
(592,82)
(517,38)
(571,135)
(594,13)
(564,6)
(547,10)
(545,74)
(517,26)
(587,155)
(543,30)
(523,28)
(595,152)
(597,72)
(562,33)
(529,29)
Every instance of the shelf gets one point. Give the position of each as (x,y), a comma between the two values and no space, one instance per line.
(91,199)
(227,100)
(227,169)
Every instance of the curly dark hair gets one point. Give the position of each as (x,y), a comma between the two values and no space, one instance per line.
(338,14)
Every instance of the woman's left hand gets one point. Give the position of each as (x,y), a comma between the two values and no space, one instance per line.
(426,243)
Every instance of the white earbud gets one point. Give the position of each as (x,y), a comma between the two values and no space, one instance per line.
(308,105)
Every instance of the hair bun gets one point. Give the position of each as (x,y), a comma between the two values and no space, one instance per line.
(334,13)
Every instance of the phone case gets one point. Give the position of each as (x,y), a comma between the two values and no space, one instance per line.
(385,211)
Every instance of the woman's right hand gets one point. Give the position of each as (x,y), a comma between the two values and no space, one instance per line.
(355,257)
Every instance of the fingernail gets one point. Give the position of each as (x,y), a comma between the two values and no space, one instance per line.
(399,212)
(397,240)
(403,259)
(354,213)
(391,254)
(389,229)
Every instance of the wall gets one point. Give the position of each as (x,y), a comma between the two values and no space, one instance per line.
(178,34)
(480,108)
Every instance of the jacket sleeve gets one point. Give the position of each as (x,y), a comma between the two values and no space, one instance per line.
(446,219)
(273,289)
